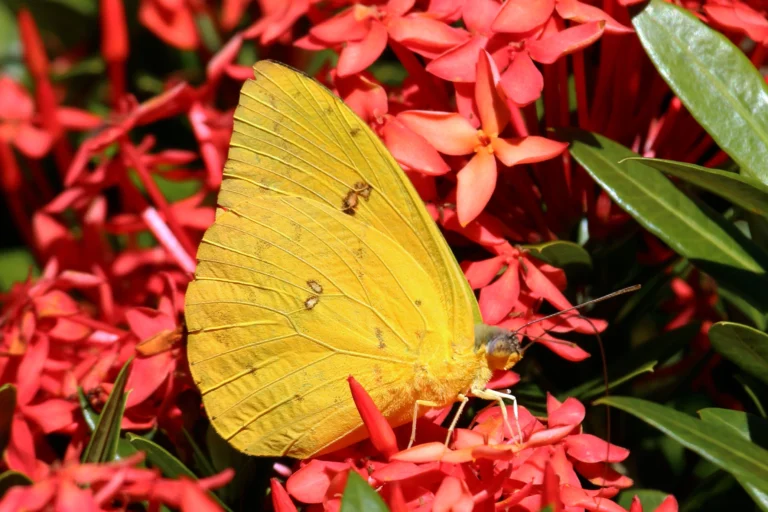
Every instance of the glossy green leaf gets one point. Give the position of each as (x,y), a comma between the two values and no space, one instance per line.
(89,414)
(161,458)
(562,254)
(713,442)
(358,495)
(102,446)
(204,466)
(690,228)
(750,427)
(7,407)
(12,478)
(714,79)
(165,461)
(743,345)
(124,448)
(641,360)
(749,193)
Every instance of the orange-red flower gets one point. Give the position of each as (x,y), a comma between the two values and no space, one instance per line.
(453,134)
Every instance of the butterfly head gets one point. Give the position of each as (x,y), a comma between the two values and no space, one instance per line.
(501,346)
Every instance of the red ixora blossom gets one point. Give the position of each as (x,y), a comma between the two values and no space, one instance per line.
(453,134)
(92,487)
(483,467)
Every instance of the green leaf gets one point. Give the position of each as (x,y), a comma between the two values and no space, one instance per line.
(688,227)
(89,414)
(163,460)
(716,82)
(640,360)
(7,407)
(746,192)
(568,256)
(201,460)
(102,447)
(743,345)
(17,264)
(12,478)
(750,427)
(358,495)
(713,442)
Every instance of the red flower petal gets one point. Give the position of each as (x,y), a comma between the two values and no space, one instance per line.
(500,297)
(411,150)
(585,13)
(459,64)
(476,183)
(548,436)
(71,497)
(548,50)
(453,496)
(310,483)
(522,81)
(668,505)
(523,15)
(280,499)
(30,370)
(576,497)
(481,273)
(450,134)
(52,415)
(176,26)
(570,412)
(494,113)
(31,141)
(399,7)
(147,375)
(426,36)
(603,475)
(367,98)
(527,150)
(380,431)
(357,56)
(344,27)
(589,448)
(479,15)
(502,379)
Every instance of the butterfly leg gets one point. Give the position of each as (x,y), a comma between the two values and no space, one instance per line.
(416,404)
(491,394)
(463,399)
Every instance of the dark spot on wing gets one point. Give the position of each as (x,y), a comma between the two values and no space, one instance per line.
(311,301)
(363,189)
(380,337)
(417,302)
(350,202)
(315,286)
(354,131)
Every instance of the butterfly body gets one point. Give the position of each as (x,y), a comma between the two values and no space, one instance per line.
(322,264)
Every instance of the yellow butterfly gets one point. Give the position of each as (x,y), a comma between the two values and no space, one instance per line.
(324,263)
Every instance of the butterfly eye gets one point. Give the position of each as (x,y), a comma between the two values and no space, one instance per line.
(503,345)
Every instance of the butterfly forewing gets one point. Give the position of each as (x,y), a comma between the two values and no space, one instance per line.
(293,137)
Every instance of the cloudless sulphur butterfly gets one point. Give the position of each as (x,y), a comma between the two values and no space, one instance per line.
(324,263)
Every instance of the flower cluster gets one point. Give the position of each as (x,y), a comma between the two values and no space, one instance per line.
(94,198)
(485,467)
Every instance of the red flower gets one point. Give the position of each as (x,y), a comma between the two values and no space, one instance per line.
(481,467)
(97,486)
(453,134)
(173,21)
(362,31)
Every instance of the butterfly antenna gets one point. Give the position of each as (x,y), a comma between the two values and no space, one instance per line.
(611,295)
